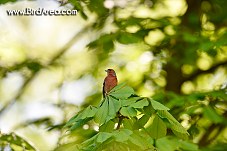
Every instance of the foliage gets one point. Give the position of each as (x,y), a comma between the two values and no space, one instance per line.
(178,57)
(5,1)
(14,142)
(126,122)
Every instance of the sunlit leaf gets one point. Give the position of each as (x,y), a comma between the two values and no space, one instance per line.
(88,112)
(142,121)
(140,103)
(140,141)
(174,124)
(172,143)
(158,106)
(72,120)
(114,105)
(122,93)
(188,146)
(122,135)
(103,136)
(107,127)
(128,111)
(167,144)
(129,101)
(102,113)
(118,87)
(157,129)
(68,147)
(212,115)
(79,123)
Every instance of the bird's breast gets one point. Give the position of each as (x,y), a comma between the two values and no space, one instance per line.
(110,83)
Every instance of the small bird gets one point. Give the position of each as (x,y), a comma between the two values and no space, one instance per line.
(109,82)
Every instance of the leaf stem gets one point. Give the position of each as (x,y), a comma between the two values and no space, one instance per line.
(119,122)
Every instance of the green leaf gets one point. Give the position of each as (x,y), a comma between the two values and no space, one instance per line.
(142,121)
(171,143)
(104,42)
(129,101)
(89,141)
(118,87)
(6,1)
(108,46)
(122,135)
(157,129)
(78,7)
(68,147)
(128,111)
(137,140)
(168,143)
(188,146)
(148,110)
(108,110)
(176,127)
(140,103)
(79,123)
(212,115)
(158,106)
(128,123)
(103,136)
(90,111)
(97,7)
(102,113)
(140,141)
(72,120)
(128,38)
(15,142)
(107,127)
(122,93)
(114,105)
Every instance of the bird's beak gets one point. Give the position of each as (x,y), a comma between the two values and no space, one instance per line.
(106,70)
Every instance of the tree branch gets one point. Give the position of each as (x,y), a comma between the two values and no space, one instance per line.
(119,122)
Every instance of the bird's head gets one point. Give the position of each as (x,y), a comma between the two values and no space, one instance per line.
(110,72)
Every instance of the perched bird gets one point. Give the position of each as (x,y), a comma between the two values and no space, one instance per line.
(109,82)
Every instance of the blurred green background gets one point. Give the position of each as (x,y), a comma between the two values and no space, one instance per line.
(172,50)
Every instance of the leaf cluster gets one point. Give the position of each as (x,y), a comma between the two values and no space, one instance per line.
(126,121)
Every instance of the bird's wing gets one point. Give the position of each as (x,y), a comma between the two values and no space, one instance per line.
(103,89)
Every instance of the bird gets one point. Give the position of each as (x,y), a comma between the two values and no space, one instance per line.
(110,82)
